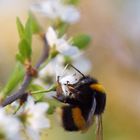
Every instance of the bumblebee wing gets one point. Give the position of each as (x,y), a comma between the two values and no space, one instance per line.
(99,128)
(91,113)
(90,119)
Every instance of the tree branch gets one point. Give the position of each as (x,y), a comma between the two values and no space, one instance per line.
(28,78)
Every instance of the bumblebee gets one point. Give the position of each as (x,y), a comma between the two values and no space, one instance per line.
(84,99)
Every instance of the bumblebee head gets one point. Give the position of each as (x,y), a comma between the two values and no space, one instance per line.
(88,80)
(66,81)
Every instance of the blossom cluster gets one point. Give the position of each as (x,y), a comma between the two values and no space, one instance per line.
(28,121)
(57,10)
(27,117)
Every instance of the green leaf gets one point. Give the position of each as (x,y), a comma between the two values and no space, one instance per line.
(74,2)
(14,80)
(24,50)
(62,28)
(25,33)
(67,60)
(51,109)
(38,91)
(28,30)
(81,41)
(19,58)
(31,27)
(35,87)
(20,28)
(35,26)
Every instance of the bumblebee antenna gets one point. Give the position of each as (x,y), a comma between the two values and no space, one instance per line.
(75,69)
(65,68)
(58,77)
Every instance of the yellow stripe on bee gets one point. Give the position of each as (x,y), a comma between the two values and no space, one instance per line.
(98,87)
(78,118)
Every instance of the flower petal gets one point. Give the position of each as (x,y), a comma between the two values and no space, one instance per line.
(54,9)
(39,123)
(82,64)
(65,48)
(10,126)
(51,36)
(70,14)
(71,51)
(47,8)
(40,108)
(33,134)
(59,71)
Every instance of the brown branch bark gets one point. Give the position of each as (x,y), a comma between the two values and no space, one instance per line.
(28,78)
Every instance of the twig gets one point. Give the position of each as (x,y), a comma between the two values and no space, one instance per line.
(28,78)
(45,53)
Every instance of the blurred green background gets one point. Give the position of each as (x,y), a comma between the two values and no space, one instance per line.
(115,54)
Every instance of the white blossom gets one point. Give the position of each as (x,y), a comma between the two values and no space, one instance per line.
(48,70)
(82,63)
(35,119)
(56,68)
(56,9)
(47,75)
(40,82)
(9,126)
(79,61)
(60,44)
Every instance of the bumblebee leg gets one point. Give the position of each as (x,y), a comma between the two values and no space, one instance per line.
(99,128)
(67,100)
(73,92)
(60,99)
